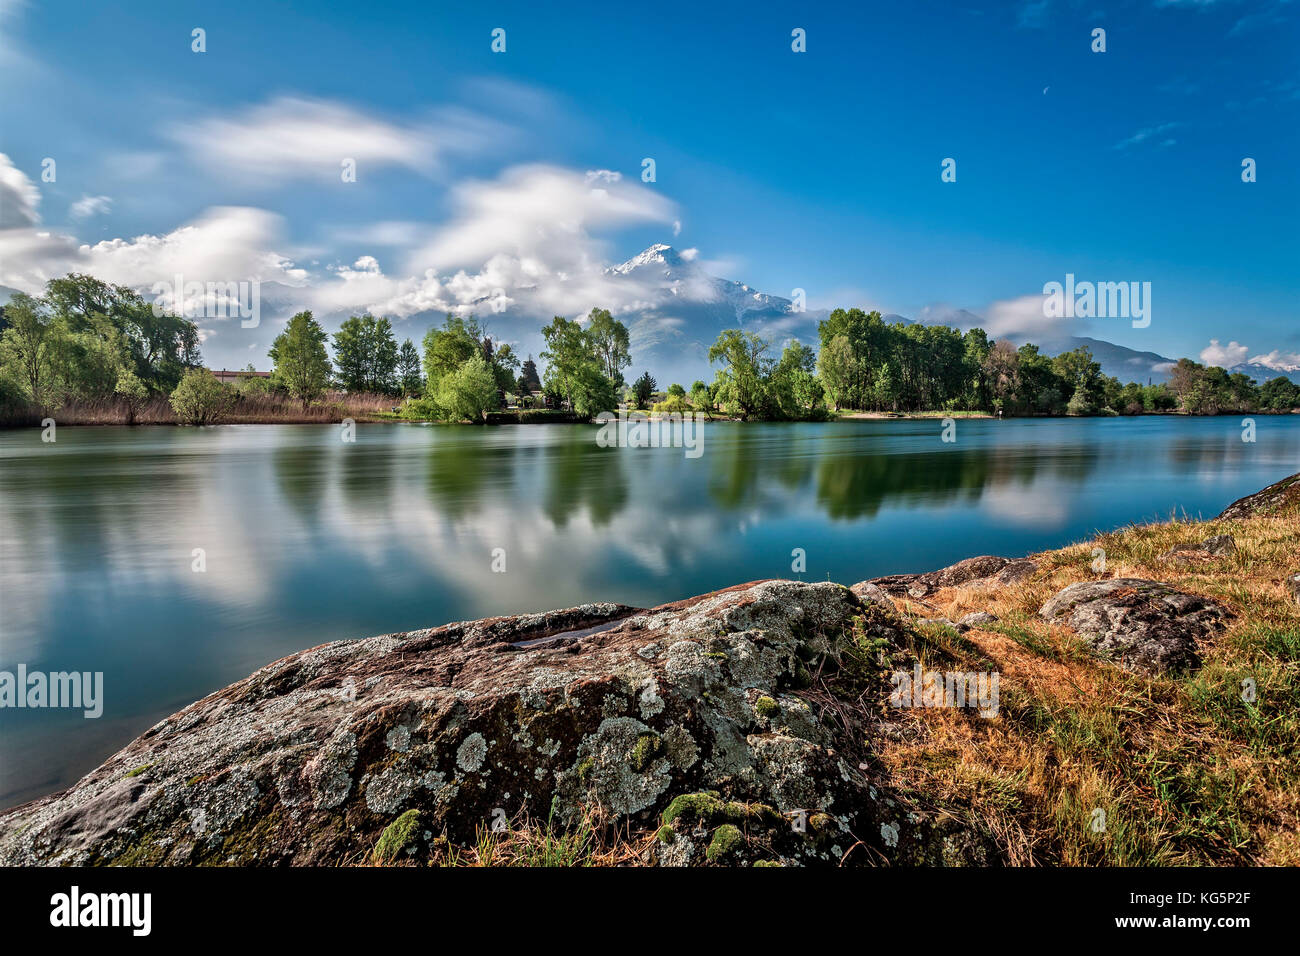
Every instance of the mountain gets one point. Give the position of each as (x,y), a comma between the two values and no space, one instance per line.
(682,309)
(1127,365)
(1261,373)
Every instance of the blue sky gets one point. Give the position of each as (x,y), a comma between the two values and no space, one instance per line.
(816,170)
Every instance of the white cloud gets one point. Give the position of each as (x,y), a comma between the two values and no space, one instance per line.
(1023,316)
(1277,359)
(291,137)
(88,206)
(1223,355)
(19,197)
(1142,135)
(225,244)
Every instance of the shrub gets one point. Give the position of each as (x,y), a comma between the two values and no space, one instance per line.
(200,399)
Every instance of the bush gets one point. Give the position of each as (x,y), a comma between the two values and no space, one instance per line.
(133,393)
(200,399)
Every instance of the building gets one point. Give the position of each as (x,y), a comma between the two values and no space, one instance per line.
(230,377)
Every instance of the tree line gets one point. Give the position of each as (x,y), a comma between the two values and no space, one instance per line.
(87,340)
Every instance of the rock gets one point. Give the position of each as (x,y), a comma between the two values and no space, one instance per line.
(1275,497)
(944,622)
(1219,545)
(869,592)
(923,585)
(1016,570)
(977,619)
(1293,585)
(1143,625)
(684,719)
(1215,547)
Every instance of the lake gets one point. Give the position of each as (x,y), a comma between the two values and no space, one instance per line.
(304,538)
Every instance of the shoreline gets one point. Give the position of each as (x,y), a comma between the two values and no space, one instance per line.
(570,419)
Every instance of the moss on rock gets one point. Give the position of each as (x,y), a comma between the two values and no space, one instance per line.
(398,837)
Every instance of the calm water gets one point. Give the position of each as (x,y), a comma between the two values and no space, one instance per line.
(308,539)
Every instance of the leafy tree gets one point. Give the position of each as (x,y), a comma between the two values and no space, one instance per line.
(742,380)
(301,364)
(133,393)
(529,380)
(610,340)
(1279,395)
(469,392)
(408,369)
(159,344)
(643,388)
(365,354)
(568,349)
(200,399)
(32,351)
(701,398)
(447,348)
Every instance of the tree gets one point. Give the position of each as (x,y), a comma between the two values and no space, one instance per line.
(701,399)
(609,338)
(301,364)
(32,350)
(365,353)
(469,392)
(447,348)
(838,370)
(568,348)
(408,369)
(159,344)
(529,380)
(643,388)
(133,393)
(200,399)
(742,381)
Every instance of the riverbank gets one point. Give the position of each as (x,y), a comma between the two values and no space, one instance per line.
(1146,712)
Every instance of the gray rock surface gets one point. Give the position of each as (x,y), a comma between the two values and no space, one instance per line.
(1143,625)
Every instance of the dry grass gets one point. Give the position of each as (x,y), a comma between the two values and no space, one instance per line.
(1185,770)
(248,409)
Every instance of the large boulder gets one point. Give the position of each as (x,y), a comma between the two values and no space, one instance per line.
(1143,625)
(713,721)
(1276,497)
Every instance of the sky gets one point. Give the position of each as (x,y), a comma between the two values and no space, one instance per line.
(512,180)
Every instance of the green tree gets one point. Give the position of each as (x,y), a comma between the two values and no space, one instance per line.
(159,344)
(643,388)
(449,347)
(132,392)
(743,379)
(365,354)
(701,398)
(568,349)
(301,364)
(408,369)
(200,399)
(32,351)
(469,392)
(610,340)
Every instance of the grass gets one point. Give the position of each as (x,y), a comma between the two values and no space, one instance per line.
(249,409)
(1187,771)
